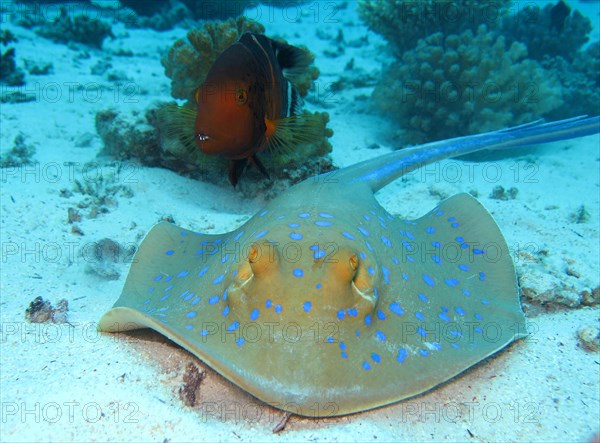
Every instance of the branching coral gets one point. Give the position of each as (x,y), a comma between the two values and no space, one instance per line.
(462,84)
(402,23)
(188,61)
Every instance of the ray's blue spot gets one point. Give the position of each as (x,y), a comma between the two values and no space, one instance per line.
(455,225)
(380,315)
(386,241)
(369,247)
(319,254)
(436,244)
(386,274)
(191,314)
(203,332)
(168,288)
(477,251)
(219,279)
(423,298)
(330,339)
(402,355)
(452,282)
(233,327)
(482,276)
(455,345)
(240,341)
(368,320)
(319,286)
(294,225)
(395,260)
(325,215)
(278,309)
(376,358)
(362,255)
(150,290)
(182,274)
(363,231)
(404,276)
(342,346)
(430,229)
(158,277)
(352,312)
(459,239)
(341,314)
(344,355)
(396,308)
(304,215)
(460,311)
(170,252)
(169,278)
(323,223)
(467,292)
(268,303)
(196,301)
(164,297)
(307,306)
(427,279)
(422,332)
(380,336)
(436,259)
(238,236)
(189,327)
(202,271)
(348,235)
(298,273)
(366,217)
(410,235)
(419,316)
(214,299)
(462,267)
(478,316)
(444,317)
(370,270)
(261,234)
(225,312)
(424,352)
(254,314)
(485,302)
(366,366)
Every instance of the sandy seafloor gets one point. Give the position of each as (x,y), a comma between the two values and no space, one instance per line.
(68,383)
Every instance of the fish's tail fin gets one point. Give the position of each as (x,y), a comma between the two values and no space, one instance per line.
(382,170)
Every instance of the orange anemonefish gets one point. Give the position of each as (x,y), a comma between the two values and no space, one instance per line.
(248,102)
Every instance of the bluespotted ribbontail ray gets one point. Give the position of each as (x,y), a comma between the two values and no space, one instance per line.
(323,303)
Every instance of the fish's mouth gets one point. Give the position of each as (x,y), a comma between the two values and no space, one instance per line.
(202,137)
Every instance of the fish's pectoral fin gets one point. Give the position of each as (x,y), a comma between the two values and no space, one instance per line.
(304,128)
(176,124)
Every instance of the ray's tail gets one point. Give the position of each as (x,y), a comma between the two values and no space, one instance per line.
(380,171)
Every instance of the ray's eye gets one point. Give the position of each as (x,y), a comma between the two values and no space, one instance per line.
(241,96)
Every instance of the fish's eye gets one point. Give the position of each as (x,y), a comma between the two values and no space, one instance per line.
(241,96)
(202,137)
